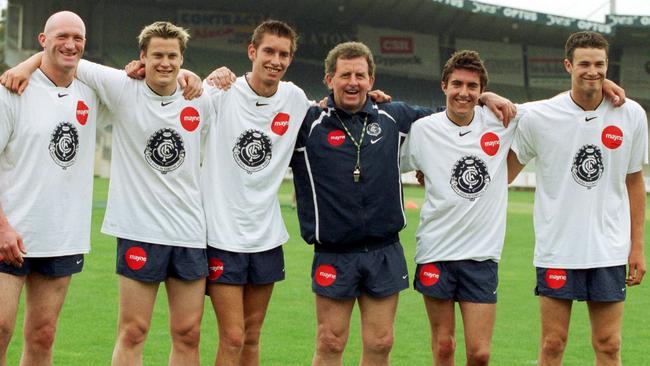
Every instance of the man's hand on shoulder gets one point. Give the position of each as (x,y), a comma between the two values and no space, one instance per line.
(221,78)
(502,107)
(135,69)
(190,83)
(378,96)
(614,93)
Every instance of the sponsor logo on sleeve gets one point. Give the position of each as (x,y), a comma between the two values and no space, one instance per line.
(280,124)
(215,267)
(135,258)
(612,137)
(336,138)
(82,112)
(325,275)
(190,119)
(429,274)
(555,278)
(490,143)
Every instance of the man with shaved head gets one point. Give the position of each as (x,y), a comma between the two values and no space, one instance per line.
(47,144)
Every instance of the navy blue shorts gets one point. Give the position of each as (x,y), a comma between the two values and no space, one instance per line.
(234,268)
(148,262)
(606,284)
(47,266)
(378,273)
(465,280)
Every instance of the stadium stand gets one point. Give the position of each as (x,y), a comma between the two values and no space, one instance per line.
(523,49)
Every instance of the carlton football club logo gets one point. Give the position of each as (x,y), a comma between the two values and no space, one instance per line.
(374,129)
(252,151)
(588,166)
(165,150)
(469,177)
(64,144)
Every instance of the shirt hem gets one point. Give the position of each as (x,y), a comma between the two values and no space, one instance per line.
(158,241)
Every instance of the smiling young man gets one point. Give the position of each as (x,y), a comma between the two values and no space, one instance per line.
(589,201)
(47,145)
(462,153)
(247,155)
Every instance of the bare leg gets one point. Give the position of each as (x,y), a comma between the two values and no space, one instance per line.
(333,317)
(185,312)
(478,321)
(137,300)
(555,316)
(10,288)
(377,319)
(44,299)
(606,319)
(443,329)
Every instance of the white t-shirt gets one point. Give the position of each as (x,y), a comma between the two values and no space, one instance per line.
(246,157)
(464,212)
(582,215)
(47,152)
(154,194)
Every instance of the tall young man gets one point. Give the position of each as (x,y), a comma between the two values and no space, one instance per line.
(47,146)
(247,154)
(589,201)
(462,153)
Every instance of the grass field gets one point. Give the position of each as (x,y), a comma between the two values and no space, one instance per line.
(87,325)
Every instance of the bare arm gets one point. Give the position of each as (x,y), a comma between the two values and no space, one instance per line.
(614,93)
(17,78)
(514,166)
(637,197)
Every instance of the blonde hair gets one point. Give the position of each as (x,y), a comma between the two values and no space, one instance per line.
(164,30)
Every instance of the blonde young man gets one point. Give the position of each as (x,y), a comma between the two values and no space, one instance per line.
(47,145)
(589,201)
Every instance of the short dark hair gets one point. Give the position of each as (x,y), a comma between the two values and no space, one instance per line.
(277,28)
(468,60)
(586,39)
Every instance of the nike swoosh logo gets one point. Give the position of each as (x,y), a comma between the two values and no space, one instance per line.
(461,134)
(79,261)
(374,141)
(587,119)
(258,104)
(404,277)
(62,95)
(163,104)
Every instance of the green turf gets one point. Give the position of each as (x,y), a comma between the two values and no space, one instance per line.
(88,321)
